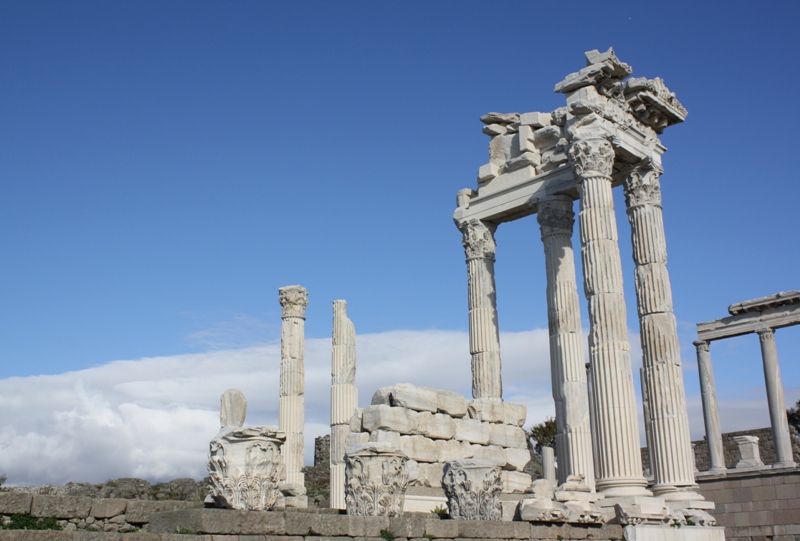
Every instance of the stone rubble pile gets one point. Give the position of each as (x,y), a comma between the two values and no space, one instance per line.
(433,426)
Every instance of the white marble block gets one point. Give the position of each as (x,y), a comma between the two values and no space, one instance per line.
(453,404)
(472,431)
(507,436)
(437,426)
(450,450)
(472,488)
(406,395)
(490,453)
(419,448)
(383,417)
(515,482)
(493,411)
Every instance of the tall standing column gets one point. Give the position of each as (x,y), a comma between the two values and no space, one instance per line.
(574,437)
(344,397)
(484,336)
(618,461)
(777,404)
(708,396)
(291,409)
(672,461)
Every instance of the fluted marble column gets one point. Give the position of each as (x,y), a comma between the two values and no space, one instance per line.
(777,404)
(344,397)
(484,335)
(672,462)
(574,437)
(291,409)
(618,462)
(708,396)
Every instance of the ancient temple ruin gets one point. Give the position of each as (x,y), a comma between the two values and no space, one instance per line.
(539,163)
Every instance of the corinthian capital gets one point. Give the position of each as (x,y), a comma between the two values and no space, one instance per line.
(642,186)
(765,333)
(294,300)
(478,240)
(555,216)
(592,157)
(701,345)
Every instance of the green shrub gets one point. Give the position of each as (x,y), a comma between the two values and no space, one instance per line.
(23,521)
(387,535)
(441,511)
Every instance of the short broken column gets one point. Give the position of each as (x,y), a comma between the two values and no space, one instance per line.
(244,462)
(344,397)
(708,396)
(574,437)
(376,479)
(291,408)
(472,488)
(484,335)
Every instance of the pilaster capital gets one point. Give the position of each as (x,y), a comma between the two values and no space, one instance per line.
(592,157)
(701,345)
(555,216)
(765,333)
(294,300)
(641,184)
(478,239)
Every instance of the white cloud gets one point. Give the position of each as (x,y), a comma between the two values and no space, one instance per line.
(153,418)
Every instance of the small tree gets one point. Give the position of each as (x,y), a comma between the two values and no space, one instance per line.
(542,435)
(794,416)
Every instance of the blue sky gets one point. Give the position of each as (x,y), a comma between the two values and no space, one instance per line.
(166,166)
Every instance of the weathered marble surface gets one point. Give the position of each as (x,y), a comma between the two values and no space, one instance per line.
(485,429)
(573,438)
(291,407)
(244,462)
(344,397)
(472,488)
(376,479)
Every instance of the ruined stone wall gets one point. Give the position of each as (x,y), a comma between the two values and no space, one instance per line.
(756,506)
(766,446)
(433,427)
(114,515)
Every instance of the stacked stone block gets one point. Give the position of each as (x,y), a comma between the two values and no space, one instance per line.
(433,427)
(110,515)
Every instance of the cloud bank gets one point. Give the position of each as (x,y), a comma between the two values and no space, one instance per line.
(153,418)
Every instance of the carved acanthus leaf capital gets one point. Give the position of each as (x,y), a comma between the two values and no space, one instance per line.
(701,345)
(592,157)
(478,240)
(642,186)
(556,216)
(294,300)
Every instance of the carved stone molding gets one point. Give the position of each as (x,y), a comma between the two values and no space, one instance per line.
(472,488)
(244,462)
(478,240)
(592,157)
(376,479)
(701,345)
(556,216)
(642,186)
(294,300)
